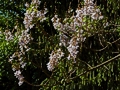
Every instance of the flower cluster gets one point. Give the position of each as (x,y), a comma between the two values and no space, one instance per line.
(54,57)
(89,9)
(24,40)
(73,28)
(57,24)
(8,35)
(19,76)
(31,16)
(72,48)
(16,66)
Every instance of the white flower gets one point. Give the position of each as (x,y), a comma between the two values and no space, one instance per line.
(50,66)
(26,4)
(17,73)
(13,69)
(100,17)
(10,60)
(21,80)
(20,83)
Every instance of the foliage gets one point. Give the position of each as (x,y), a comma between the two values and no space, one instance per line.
(40,53)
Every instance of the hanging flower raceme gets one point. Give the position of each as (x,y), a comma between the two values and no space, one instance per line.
(54,59)
(31,16)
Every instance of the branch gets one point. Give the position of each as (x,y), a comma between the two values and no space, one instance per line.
(108,43)
(95,67)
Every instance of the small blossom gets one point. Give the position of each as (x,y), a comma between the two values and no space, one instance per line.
(23,65)
(17,73)
(20,83)
(26,4)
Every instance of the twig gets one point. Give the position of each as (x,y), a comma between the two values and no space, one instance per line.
(115,40)
(33,84)
(86,63)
